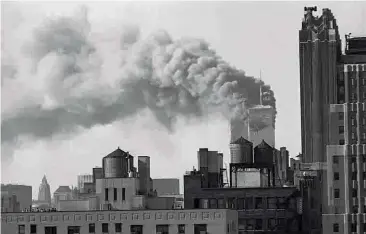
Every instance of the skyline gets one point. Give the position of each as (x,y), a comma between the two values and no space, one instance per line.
(274,68)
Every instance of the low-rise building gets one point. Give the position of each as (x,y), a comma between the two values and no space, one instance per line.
(213,221)
(22,193)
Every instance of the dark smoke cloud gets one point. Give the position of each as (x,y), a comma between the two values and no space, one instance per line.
(172,78)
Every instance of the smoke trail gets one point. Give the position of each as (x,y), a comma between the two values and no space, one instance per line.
(73,84)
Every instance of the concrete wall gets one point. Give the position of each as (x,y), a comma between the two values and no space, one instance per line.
(73,205)
(160,203)
(131,186)
(218,220)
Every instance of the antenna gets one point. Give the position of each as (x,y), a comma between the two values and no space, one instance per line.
(260,87)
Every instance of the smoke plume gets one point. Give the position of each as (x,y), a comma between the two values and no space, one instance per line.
(65,81)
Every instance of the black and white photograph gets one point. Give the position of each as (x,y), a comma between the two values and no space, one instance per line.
(183,117)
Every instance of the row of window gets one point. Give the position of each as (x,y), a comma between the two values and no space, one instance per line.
(244,203)
(353,227)
(337,193)
(258,224)
(137,229)
(353,159)
(115,194)
(336,175)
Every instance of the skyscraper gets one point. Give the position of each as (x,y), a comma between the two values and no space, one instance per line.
(44,194)
(333,120)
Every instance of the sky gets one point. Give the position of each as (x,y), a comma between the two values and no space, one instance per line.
(250,36)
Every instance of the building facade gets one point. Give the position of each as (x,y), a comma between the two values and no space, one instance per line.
(82,180)
(333,96)
(213,221)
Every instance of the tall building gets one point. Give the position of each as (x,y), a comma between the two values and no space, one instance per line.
(44,193)
(261,125)
(333,120)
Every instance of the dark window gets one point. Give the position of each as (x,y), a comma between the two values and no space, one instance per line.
(50,230)
(137,229)
(213,203)
(123,194)
(21,229)
(354,175)
(312,203)
(353,227)
(91,227)
(196,203)
(105,228)
(118,227)
(198,228)
(241,203)
(249,203)
(271,203)
(115,194)
(259,203)
(364,175)
(221,203)
(335,160)
(354,192)
(340,115)
(73,230)
(33,228)
(181,228)
(355,209)
(341,142)
(281,222)
(106,194)
(353,159)
(258,224)
(336,193)
(163,229)
(336,176)
(341,129)
(335,227)
(271,224)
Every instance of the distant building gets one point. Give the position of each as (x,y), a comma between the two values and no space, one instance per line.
(16,197)
(44,193)
(261,125)
(61,194)
(166,186)
(82,180)
(213,221)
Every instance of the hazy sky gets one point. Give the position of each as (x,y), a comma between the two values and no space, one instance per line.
(250,36)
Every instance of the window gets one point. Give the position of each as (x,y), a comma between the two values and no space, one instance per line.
(73,230)
(213,203)
(363,136)
(162,229)
(118,227)
(354,175)
(341,129)
(363,121)
(241,203)
(91,227)
(181,228)
(335,227)
(271,224)
(137,229)
(50,230)
(259,203)
(336,193)
(340,115)
(221,204)
(123,194)
(341,141)
(336,176)
(105,228)
(198,228)
(353,136)
(33,229)
(353,227)
(271,203)
(21,229)
(258,224)
(355,209)
(106,194)
(364,175)
(249,203)
(115,194)
(353,121)
(335,160)
(354,192)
